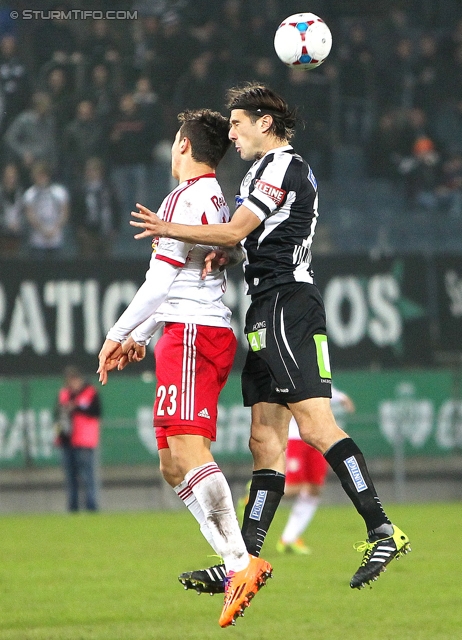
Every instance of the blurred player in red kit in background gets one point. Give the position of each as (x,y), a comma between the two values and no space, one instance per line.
(306,471)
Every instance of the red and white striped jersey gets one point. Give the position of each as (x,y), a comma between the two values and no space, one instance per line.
(190,298)
(174,290)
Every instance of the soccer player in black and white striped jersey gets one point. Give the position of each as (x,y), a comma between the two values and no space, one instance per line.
(287,371)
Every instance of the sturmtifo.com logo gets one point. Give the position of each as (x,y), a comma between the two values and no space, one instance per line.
(73,14)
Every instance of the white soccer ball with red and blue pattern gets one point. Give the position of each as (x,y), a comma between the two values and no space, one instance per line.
(303,41)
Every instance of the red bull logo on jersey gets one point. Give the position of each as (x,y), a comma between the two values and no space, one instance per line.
(218,202)
(276,194)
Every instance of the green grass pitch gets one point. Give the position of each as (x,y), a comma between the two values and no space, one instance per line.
(113,576)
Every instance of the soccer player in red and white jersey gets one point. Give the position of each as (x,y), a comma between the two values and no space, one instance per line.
(195,353)
(306,470)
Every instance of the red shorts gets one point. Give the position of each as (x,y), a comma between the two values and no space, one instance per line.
(304,464)
(192,365)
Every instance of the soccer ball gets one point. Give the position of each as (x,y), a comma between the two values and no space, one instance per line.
(303,41)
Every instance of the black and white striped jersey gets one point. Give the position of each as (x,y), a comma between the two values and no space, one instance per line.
(281,190)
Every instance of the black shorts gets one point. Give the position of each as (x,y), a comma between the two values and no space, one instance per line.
(288,357)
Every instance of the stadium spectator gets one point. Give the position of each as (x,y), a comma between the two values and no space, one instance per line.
(11,212)
(397,77)
(196,86)
(131,144)
(47,212)
(267,69)
(234,50)
(32,134)
(145,96)
(396,25)
(356,86)
(260,24)
(449,190)
(417,125)
(77,420)
(111,45)
(389,143)
(62,98)
(100,89)
(95,211)
(421,172)
(53,40)
(84,137)
(101,45)
(153,108)
(205,31)
(430,74)
(173,31)
(149,104)
(14,81)
(147,46)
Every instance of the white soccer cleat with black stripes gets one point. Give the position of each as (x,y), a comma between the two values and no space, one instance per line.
(211,580)
(377,555)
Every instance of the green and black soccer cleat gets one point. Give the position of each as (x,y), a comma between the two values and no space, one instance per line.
(378,553)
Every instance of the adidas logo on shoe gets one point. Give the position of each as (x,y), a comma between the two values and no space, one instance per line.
(204,414)
(211,580)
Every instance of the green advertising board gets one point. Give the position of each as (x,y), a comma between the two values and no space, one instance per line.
(421,407)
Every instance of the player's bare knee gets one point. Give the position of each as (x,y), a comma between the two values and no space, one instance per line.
(267,453)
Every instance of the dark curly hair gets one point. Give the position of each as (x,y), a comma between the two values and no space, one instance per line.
(259,100)
(208,133)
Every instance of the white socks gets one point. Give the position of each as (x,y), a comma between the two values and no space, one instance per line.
(207,495)
(301,514)
(184,492)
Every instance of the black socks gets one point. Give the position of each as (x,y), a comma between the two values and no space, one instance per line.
(348,462)
(266,491)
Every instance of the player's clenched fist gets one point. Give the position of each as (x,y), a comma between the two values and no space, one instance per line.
(131,352)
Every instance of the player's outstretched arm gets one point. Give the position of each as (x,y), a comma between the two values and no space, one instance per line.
(227,234)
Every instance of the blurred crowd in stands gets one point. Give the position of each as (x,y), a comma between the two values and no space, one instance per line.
(88,112)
